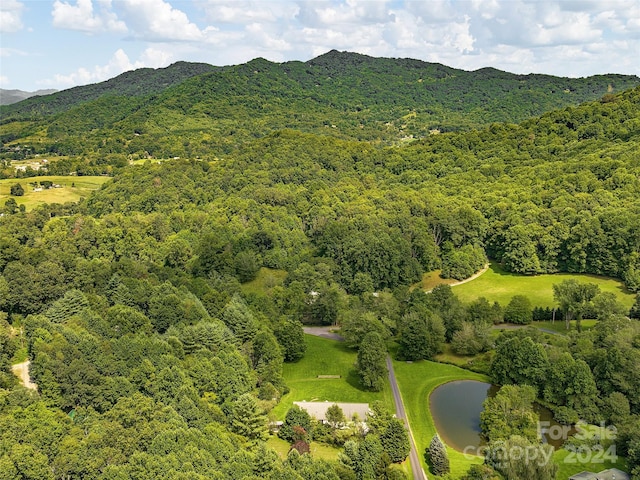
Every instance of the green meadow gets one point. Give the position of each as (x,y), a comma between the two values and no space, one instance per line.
(326,357)
(499,285)
(72,189)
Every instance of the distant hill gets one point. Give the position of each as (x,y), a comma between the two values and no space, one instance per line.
(135,83)
(8,97)
(197,109)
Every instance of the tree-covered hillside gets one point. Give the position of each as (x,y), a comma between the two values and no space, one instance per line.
(175,112)
(152,358)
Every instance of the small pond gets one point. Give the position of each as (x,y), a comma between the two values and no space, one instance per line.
(456,407)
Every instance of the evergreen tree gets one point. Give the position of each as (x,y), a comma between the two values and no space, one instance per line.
(436,456)
(72,303)
(248,419)
(395,441)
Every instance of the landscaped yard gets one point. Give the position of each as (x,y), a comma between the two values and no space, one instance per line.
(569,463)
(498,285)
(417,380)
(326,357)
(71,189)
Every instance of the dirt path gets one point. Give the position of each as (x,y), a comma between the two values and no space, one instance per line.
(21,370)
(472,277)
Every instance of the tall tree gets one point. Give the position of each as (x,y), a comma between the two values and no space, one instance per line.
(248,419)
(371,361)
(574,298)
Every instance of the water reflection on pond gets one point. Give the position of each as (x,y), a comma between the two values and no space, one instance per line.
(456,407)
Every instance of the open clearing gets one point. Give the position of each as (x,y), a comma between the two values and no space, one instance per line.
(82,187)
(498,285)
(265,280)
(326,357)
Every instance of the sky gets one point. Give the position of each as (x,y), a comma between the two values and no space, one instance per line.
(63,43)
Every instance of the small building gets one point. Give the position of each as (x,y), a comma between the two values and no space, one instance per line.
(318,410)
(610,474)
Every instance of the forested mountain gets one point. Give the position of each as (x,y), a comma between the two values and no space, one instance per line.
(346,95)
(135,83)
(152,359)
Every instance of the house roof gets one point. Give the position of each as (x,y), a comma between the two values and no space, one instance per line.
(318,410)
(610,474)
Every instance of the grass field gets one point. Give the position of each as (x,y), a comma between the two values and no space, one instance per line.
(265,280)
(432,279)
(417,380)
(83,186)
(498,285)
(326,357)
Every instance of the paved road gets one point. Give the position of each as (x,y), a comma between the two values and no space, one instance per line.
(517,327)
(418,472)
(21,370)
(324,332)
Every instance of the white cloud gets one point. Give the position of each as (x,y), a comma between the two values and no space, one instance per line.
(10,16)
(245,12)
(11,52)
(319,14)
(82,17)
(158,21)
(4,81)
(119,63)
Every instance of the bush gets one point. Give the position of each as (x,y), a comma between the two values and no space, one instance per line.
(17,190)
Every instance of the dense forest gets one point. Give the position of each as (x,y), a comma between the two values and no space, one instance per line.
(150,359)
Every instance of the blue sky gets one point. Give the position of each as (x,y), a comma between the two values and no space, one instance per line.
(63,43)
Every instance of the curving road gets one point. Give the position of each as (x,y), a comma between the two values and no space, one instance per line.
(418,472)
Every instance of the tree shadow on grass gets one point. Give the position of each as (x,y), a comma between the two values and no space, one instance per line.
(353,379)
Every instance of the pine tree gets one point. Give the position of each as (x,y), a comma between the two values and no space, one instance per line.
(436,456)
(248,419)
(395,441)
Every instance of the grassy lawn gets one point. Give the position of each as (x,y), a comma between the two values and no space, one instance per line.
(326,357)
(266,279)
(498,285)
(318,450)
(432,279)
(417,380)
(83,186)
(569,464)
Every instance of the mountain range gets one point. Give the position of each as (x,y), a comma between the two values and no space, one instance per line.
(8,97)
(198,109)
